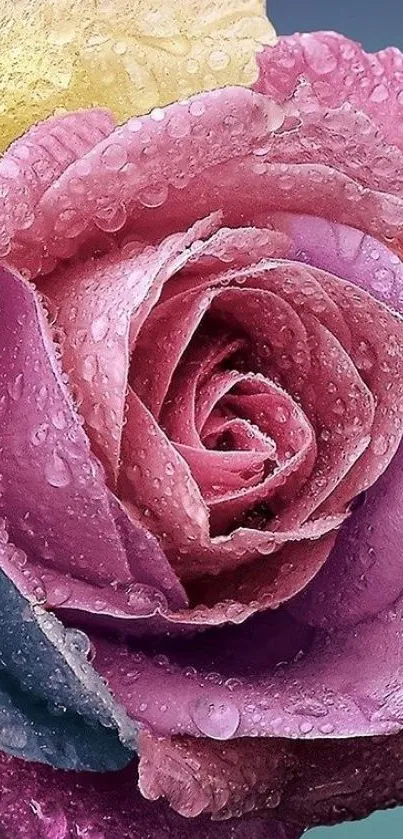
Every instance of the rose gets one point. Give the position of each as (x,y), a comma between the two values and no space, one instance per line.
(243,248)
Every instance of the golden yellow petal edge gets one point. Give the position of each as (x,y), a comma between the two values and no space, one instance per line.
(127,55)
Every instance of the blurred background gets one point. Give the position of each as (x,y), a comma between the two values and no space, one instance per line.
(375,25)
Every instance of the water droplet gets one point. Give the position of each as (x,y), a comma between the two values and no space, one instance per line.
(59,420)
(100,605)
(216,718)
(309,708)
(197,108)
(379,93)
(39,593)
(16,387)
(364,356)
(233,684)
(111,219)
(153,195)
(99,328)
(145,600)
(78,640)
(305,727)
(40,434)
(380,445)
(42,397)
(179,126)
(157,114)
(12,736)
(114,156)
(218,60)
(60,593)
(19,558)
(89,367)
(339,407)
(57,471)
(281,414)
(327,728)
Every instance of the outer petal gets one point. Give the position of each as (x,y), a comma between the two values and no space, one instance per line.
(360,577)
(337,70)
(34,161)
(54,707)
(243,139)
(315,695)
(321,783)
(38,803)
(54,54)
(44,444)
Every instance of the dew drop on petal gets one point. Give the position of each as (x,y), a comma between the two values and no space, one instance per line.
(216,718)
(16,387)
(99,328)
(380,445)
(57,471)
(78,640)
(60,593)
(305,727)
(42,397)
(39,434)
(153,196)
(114,156)
(59,420)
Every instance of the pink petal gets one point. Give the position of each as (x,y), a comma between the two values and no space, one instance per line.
(344,416)
(116,181)
(226,131)
(162,336)
(246,683)
(98,306)
(156,479)
(336,70)
(209,777)
(345,252)
(71,517)
(30,166)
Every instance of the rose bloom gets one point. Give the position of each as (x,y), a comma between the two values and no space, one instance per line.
(201,411)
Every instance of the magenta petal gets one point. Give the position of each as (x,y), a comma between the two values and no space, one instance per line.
(315,695)
(325,782)
(40,803)
(93,198)
(360,577)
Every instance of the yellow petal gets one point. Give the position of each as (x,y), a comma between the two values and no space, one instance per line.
(128,55)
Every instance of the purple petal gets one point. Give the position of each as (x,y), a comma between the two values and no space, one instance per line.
(40,803)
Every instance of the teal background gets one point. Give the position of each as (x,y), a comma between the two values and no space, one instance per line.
(376,25)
